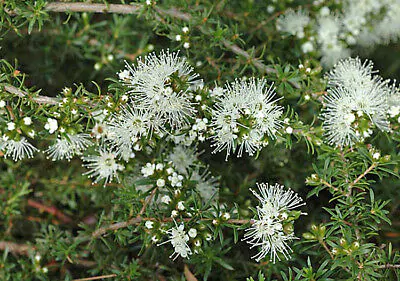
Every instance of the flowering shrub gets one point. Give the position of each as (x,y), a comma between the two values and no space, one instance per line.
(199,140)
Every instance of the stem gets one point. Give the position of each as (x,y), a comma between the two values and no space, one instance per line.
(22,94)
(172,12)
(51,210)
(96,277)
(138,220)
(19,249)
(322,242)
(351,185)
(389,266)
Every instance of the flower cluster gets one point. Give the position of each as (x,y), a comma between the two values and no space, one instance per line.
(161,85)
(244,117)
(365,23)
(357,101)
(273,226)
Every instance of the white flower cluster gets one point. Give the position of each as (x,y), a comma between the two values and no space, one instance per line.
(363,22)
(356,100)
(160,85)
(244,116)
(178,238)
(293,22)
(273,226)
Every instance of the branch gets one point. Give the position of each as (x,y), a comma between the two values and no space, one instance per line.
(365,173)
(137,220)
(172,12)
(19,249)
(93,8)
(50,209)
(389,266)
(22,94)
(351,185)
(96,277)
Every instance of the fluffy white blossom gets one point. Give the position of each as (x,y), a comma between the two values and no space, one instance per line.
(68,145)
(17,149)
(159,84)
(244,117)
(178,239)
(206,185)
(183,158)
(267,230)
(102,166)
(355,95)
(293,22)
(126,127)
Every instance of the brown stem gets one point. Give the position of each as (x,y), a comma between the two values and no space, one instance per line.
(322,242)
(22,94)
(137,220)
(49,209)
(172,12)
(390,266)
(351,185)
(96,277)
(19,249)
(93,8)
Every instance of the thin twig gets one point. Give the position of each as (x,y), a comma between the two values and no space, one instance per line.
(19,249)
(365,173)
(93,7)
(22,94)
(172,12)
(137,220)
(351,185)
(389,266)
(96,277)
(49,209)
(322,242)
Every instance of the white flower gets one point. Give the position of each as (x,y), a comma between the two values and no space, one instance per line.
(178,37)
(10,126)
(68,145)
(289,130)
(355,93)
(102,166)
(126,127)
(175,179)
(149,224)
(124,75)
(148,170)
(27,121)
(192,232)
(178,238)
(186,45)
(266,231)
(183,158)
(174,213)
(351,72)
(226,216)
(376,155)
(244,117)
(38,257)
(180,205)
(160,182)
(165,199)
(51,125)
(152,90)
(17,149)
(185,29)
(293,22)
(394,111)
(206,185)
(2,103)
(307,47)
